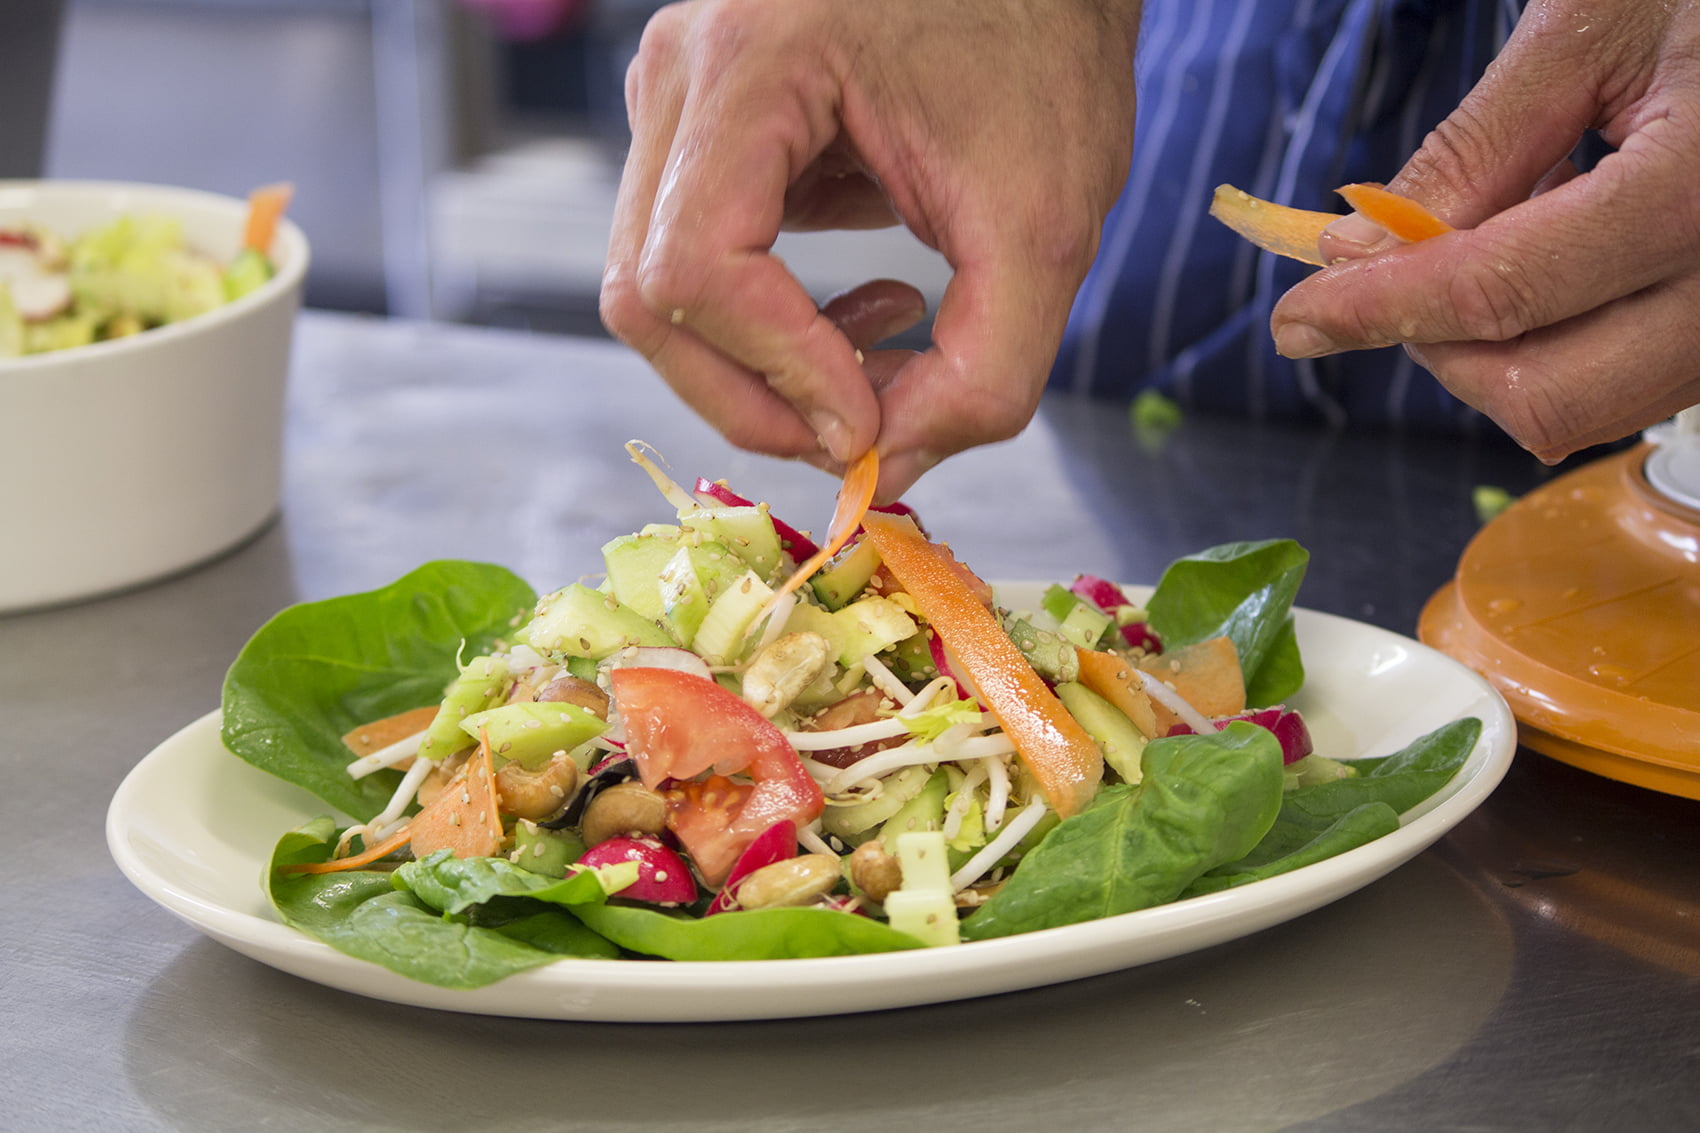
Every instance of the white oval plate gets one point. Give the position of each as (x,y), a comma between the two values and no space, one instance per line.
(193,827)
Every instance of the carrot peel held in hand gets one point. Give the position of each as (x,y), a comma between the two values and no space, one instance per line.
(1297,233)
(1400,216)
(854,497)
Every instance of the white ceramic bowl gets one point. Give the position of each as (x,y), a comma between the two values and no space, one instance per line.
(125,461)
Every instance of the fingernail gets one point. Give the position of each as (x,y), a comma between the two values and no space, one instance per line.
(1354,229)
(834,434)
(1297,340)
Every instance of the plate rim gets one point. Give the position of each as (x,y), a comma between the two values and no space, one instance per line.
(588,989)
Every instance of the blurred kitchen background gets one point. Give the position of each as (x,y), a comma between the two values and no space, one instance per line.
(453,159)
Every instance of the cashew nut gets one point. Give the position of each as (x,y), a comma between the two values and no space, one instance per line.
(783,669)
(537,794)
(569,689)
(791,883)
(875,872)
(625,809)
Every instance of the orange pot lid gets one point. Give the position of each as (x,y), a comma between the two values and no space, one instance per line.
(1580,603)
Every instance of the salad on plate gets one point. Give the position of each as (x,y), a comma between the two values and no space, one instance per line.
(131,274)
(740,745)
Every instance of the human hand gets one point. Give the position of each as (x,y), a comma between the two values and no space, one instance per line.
(999,131)
(1567,312)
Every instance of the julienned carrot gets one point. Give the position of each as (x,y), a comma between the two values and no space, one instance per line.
(1296,233)
(354,861)
(854,496)
(1063,758)
(1401,216)
(266,206)
(464,818)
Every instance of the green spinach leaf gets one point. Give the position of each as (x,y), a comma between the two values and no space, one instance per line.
(319,669)
(363,914)
(755,934)
(1243,591)
(1204,800)
(453,885)
(1397,782)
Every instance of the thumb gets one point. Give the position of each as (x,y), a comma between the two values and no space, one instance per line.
(1519,122)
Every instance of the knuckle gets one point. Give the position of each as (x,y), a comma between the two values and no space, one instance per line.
(667,281)
(1492,301)
(621,307)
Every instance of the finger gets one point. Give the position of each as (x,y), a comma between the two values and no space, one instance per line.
(1510,133)
(707,262)
(1593,239)
(1585,381)
(995,337)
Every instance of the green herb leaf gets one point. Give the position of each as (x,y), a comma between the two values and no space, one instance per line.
(317,670)
(1243,591)
(756,934)
(1204,800)
(362,913)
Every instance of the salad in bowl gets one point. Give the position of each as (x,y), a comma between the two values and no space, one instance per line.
(711,753)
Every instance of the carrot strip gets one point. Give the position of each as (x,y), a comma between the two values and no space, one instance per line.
(1113,678)
(1063,758)
(854,497)
(365,857)
(1401,216)
(1289,232)
(465,818)
(266,206)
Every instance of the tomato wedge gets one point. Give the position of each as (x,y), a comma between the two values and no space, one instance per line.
(1054,747)
(680,725)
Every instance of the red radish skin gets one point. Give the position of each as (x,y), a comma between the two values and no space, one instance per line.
(663,876)
(1287,725)
(775,844)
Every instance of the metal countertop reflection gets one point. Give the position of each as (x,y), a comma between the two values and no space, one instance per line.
(1539,968)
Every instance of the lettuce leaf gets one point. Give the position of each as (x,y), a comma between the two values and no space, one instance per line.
(319,669)
(1203,800)
(755,934)
(363,914)
(1243,591)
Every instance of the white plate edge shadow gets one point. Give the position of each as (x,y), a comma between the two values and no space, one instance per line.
(646,991)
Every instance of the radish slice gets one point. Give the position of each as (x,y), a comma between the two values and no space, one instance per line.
(775,844)
(661,657)
(663,876)
(1108,597)
(713,492)
(1287,725)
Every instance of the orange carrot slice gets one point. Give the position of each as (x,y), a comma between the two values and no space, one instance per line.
(1063,759)
(465,818)
(1113,678)
(1401,216)
(380,734)
(1289,232)
(365,857)
(854,497)
(266,206)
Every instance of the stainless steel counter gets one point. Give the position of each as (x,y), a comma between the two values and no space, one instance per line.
(1537,969)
